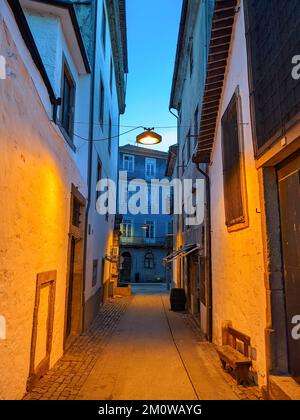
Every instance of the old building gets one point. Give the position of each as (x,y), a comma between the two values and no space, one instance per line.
(190,269)
(52,156)
(249,141)
(145,237)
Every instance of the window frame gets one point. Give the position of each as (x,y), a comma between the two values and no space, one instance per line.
(99,166)
(151,161)
(235,225)
(149,262)
(149,222)
(188,146)
(127,222)
(109,134)
(102,103)
(191,59)
(111,74)
(103,29)
(133,162)
(66,73)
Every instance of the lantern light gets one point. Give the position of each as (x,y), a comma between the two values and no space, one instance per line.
(149,137)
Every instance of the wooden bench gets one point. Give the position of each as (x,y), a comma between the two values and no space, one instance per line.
(229,355)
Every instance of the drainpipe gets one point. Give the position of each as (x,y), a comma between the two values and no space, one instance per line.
(171,112)
(208,250)
(90,158)
(176,116)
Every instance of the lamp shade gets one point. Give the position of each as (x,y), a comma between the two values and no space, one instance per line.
(149,138)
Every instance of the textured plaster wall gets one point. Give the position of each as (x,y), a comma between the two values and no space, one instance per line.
(100,226)
(45,30)
(36,173)
(237,257)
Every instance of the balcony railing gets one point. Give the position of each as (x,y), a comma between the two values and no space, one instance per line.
(143,242)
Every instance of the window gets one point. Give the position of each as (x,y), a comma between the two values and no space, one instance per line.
(109,134)
(76,213)
(149,231)
(233,166)
(196,126)
(99,177)
(188,146)
(111,76)
(103,32)
(95,273)
(183,159)
(128,163)
(67,108)
(126,228)
(102,103)
(150,167)
(191,59)
(149,261)
(273,38)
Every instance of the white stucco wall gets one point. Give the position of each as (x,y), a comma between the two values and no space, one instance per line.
(100,227)
(49,35)
(37,170)
(237,257)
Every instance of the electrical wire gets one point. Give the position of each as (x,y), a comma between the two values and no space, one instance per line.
(104,139)
(132,126)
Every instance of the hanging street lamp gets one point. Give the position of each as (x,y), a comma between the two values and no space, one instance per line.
(149,137)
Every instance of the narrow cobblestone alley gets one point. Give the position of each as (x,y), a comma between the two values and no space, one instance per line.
(138,349)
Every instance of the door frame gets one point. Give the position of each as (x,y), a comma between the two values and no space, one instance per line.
(47,279)
(285,170)
(276,340)
(78,234)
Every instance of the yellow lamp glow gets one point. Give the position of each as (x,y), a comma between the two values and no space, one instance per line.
(149,138)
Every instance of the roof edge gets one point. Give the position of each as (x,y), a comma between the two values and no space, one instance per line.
(178,51)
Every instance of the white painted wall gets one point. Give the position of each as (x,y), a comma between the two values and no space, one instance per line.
(237,257)
(48,33)
(101,237)
(37,170)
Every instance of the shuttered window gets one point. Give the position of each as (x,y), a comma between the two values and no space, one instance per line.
(273,39)
(232,166)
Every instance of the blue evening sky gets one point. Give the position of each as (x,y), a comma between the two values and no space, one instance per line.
(152,27)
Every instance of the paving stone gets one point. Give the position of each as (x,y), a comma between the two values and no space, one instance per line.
(66,378)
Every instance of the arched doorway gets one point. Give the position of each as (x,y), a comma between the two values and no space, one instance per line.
(125,274)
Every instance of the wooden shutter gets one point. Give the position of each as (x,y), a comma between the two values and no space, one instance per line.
(232,168)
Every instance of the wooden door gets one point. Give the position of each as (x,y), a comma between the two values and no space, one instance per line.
(289,196)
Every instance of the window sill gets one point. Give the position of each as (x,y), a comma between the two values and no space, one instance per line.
(237,227)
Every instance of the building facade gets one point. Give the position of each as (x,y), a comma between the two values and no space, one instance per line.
(190,270)
(50,92)
(248,144)
(145,238)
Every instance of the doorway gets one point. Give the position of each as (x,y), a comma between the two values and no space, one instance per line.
(125,275)
(289,199)
(75,287)
(42,330)
(192,286)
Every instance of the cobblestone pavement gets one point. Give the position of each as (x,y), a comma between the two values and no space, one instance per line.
(86,367)
(65,379)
